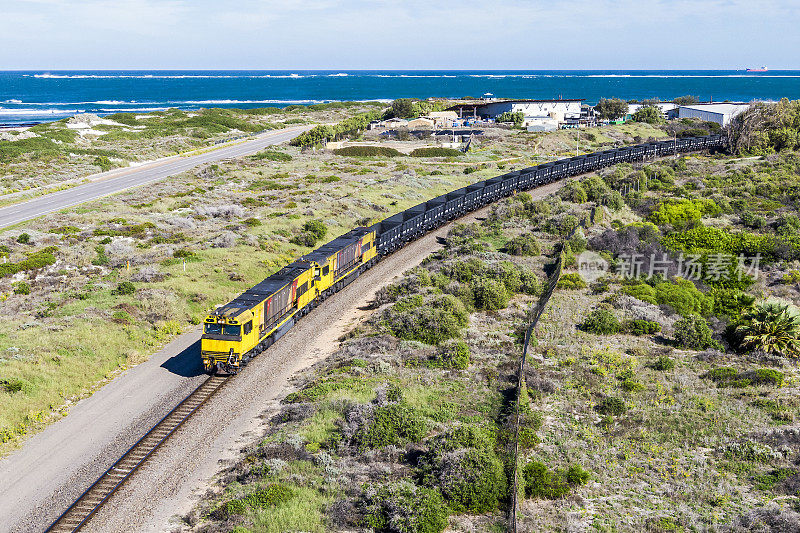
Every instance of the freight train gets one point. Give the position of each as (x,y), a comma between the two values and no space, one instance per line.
(251,322)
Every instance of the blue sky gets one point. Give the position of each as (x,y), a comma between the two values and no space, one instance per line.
(407,34)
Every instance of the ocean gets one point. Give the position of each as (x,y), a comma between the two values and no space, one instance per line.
(38,96)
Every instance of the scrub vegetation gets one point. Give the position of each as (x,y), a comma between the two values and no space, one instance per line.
(655,403)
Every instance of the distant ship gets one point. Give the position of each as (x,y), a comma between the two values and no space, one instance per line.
(762,69)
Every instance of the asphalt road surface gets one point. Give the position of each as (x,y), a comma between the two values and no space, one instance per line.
(121,179)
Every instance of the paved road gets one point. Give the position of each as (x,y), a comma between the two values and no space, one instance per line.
(119,180)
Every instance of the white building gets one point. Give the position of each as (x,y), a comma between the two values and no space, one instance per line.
(719,113)
(664,107)
(561,110)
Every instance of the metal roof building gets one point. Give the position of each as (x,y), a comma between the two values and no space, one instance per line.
(719,113)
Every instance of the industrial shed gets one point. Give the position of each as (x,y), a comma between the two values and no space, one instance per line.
(719,113)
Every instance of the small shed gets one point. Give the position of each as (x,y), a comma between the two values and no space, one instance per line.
(421,123)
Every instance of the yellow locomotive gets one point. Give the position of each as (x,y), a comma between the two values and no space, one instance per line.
(252,321)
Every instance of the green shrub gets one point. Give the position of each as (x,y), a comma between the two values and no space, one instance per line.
(768,480)
(540,482)
(508,274)
(595,188)
(529,283)
(402,507)
(524,244)
(451,355)
(313,231)
(270,496)
(472,480)
(574,192)
(124,288)
(601,322)
(252,222)
(460,436)
(680,212)
(24,238)
(642,327)
(436,152)
(692,332)
(681,295)
(571,280)
(394,424)
(367,151)
(432,320)
(611,405)
(21,287)
(489,293)
(528,438)
(731,377)
(664,363)
(767,376)
(271,155)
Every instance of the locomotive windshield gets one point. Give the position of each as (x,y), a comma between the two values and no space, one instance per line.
(220,329)
(214,329)
(232,330)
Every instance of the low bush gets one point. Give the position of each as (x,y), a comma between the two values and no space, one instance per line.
(271,155)
(541,482)
(270,496)
(574,192)
(524,244)
(611,405)
(731,377)
(460,436)
(393,424)
(124,288)
(24,238)
(489,294)
(692,332)
(641,327)
(681,295)
(451,355)
(402,507)
(663,363)
(601,322)
(680,212)
(436,152)
(367,151)
(313,231)
(571,280)
(431,320)
(472,479)
(21,287)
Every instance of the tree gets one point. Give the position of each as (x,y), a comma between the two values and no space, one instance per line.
(403,108)
(611,108)
(517,118)
(686,100)
(648,114)
(771,327)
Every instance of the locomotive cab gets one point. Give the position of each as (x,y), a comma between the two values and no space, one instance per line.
(221,343)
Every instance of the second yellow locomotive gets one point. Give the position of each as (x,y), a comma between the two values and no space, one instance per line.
(255,319)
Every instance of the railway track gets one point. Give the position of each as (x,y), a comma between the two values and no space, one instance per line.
(80,512)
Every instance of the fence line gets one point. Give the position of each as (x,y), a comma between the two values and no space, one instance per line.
(537,309)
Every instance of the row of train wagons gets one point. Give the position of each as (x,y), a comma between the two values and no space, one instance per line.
(395,231)
(251,322)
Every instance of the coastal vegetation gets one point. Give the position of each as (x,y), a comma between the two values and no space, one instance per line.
(663,381)
(638,387)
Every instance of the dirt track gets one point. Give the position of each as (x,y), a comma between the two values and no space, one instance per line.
(54,467)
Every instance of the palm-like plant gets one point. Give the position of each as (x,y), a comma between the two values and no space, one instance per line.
(771,327)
